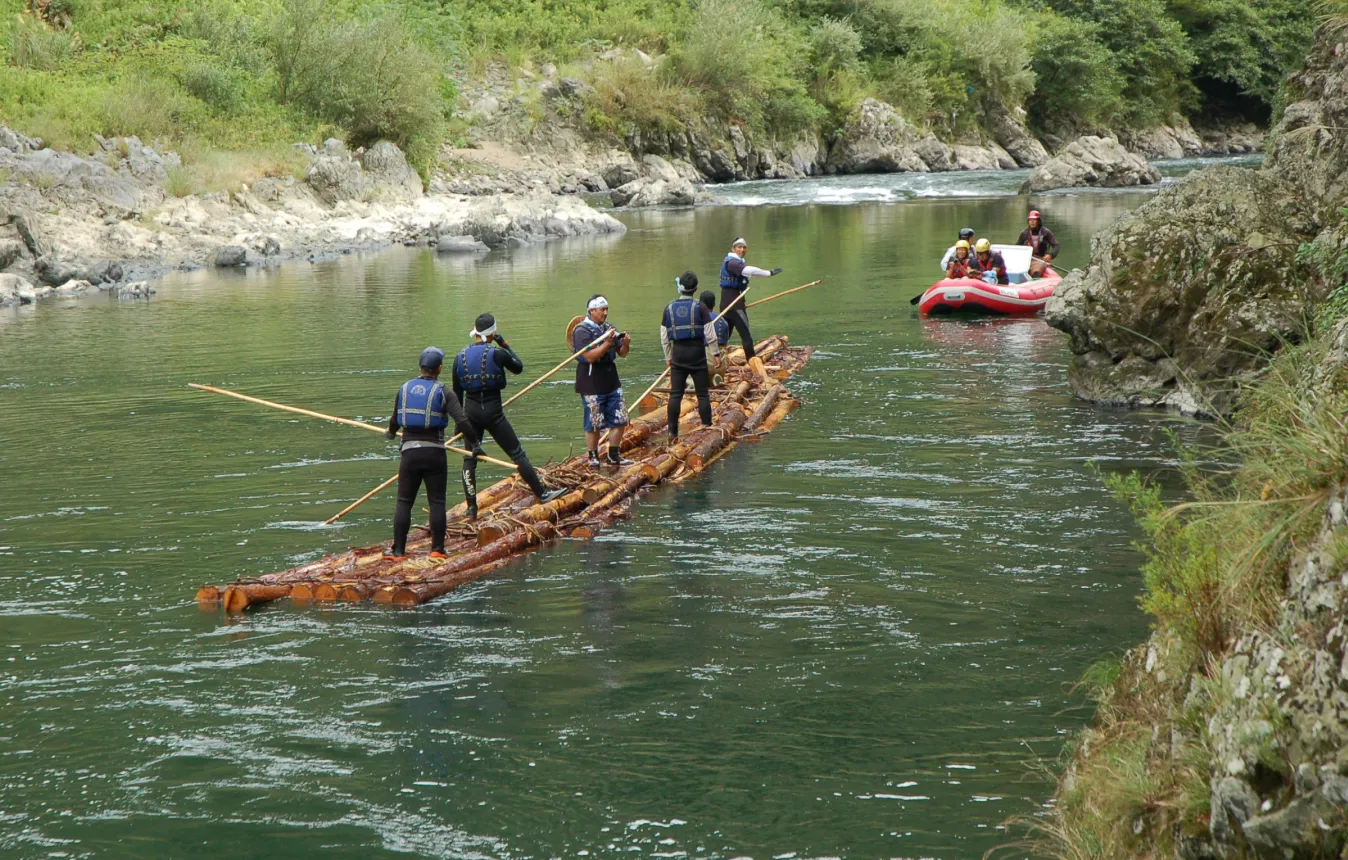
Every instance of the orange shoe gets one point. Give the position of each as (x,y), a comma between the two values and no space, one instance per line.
(388,556)
(438,555)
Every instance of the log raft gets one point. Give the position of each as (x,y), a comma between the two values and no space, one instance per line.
(512,522)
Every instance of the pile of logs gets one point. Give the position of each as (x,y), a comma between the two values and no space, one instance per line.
(510,522)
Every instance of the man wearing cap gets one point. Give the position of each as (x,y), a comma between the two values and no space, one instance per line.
(479,377)
(1043,244)
(735,275)
(600,346)
(422,410)
(688,338)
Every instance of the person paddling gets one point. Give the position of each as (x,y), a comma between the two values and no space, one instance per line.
(422,410)
(598,384)
(958,267)
(688,337)
(1043,244)
(967,236)
(479,378)
(735,275)
(988,265)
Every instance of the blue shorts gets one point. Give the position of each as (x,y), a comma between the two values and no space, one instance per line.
(603,411)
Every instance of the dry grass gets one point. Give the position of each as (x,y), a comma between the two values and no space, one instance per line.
(207,171)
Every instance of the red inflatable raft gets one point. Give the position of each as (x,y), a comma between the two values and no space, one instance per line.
(968,295)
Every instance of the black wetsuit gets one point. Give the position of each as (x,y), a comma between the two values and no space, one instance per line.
(688,359)
(423,461)
(486,413)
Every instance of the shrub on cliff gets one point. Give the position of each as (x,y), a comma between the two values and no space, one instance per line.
(1075,75)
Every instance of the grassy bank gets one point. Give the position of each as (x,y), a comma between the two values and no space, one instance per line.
(256,75)
(1138,781)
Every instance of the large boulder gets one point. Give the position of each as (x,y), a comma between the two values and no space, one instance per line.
(337,178)
(1309,148)
(1178,140)
(1187,294)
(1093,161)
(16,290)
(1014,137)
(875,139)
(654,192)
(385,165)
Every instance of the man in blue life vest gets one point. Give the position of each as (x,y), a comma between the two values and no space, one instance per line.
(597,382)
(422,410)
(688,338)
(479,377)
(735,275)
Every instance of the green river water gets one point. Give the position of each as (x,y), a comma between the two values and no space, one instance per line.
(856,638)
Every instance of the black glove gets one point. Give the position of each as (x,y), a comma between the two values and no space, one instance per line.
(776,271)
(500,341)
(477,450)
(390,435)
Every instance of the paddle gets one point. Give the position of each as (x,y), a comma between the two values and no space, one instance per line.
(526,389)
(347,421)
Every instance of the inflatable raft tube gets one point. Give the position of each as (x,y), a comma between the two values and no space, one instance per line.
(967,295)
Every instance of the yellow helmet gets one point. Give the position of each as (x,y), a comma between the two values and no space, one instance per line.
(961,244)
(983,245)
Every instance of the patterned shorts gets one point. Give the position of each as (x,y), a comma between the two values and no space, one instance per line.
(603,411)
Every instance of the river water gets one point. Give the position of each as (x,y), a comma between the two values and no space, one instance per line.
(856,638)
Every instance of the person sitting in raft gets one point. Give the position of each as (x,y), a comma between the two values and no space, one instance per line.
(966,235)
(1043,244)
(988,265)
(958,267)
(479,377)
(422,410)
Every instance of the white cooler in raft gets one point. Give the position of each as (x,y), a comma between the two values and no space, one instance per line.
(1024,295)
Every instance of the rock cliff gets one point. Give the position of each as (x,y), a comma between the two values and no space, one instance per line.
(1192,291)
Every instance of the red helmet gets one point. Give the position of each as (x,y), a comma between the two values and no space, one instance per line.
(1034,213)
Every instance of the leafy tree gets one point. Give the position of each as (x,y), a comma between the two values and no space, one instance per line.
(1075,75)
(1151,50)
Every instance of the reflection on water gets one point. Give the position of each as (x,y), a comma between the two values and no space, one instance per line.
(854,638)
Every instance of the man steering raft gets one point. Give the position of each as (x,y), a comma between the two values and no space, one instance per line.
(597,382)
(1043,244)
(422,410)
(479,377)
(735,275)
(688,338)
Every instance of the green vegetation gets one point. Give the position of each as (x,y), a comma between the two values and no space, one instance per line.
(1215,570)
(256,75)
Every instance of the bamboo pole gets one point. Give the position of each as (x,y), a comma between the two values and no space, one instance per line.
(523,391)
(347,421)
(782,293)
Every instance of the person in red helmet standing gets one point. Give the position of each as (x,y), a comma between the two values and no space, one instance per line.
(1043,244)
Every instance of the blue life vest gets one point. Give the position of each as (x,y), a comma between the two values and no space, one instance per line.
(729,281)
(681,319)
(609,357)
(421,405)
(722,331)
(477,370)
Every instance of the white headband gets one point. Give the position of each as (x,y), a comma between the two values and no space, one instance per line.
(485,335)
(596,303)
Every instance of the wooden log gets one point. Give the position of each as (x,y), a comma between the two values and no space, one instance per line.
(325,591)
(465,568)
(302,592)
(551,512)
(208,596)
(241,596)
(779,412)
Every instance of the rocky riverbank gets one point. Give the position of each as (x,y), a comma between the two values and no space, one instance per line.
(1185,298)
(1225,735)
(74,224)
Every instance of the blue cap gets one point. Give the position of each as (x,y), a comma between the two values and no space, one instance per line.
(432,357)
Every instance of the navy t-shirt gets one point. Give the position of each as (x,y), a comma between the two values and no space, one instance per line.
(600,377)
